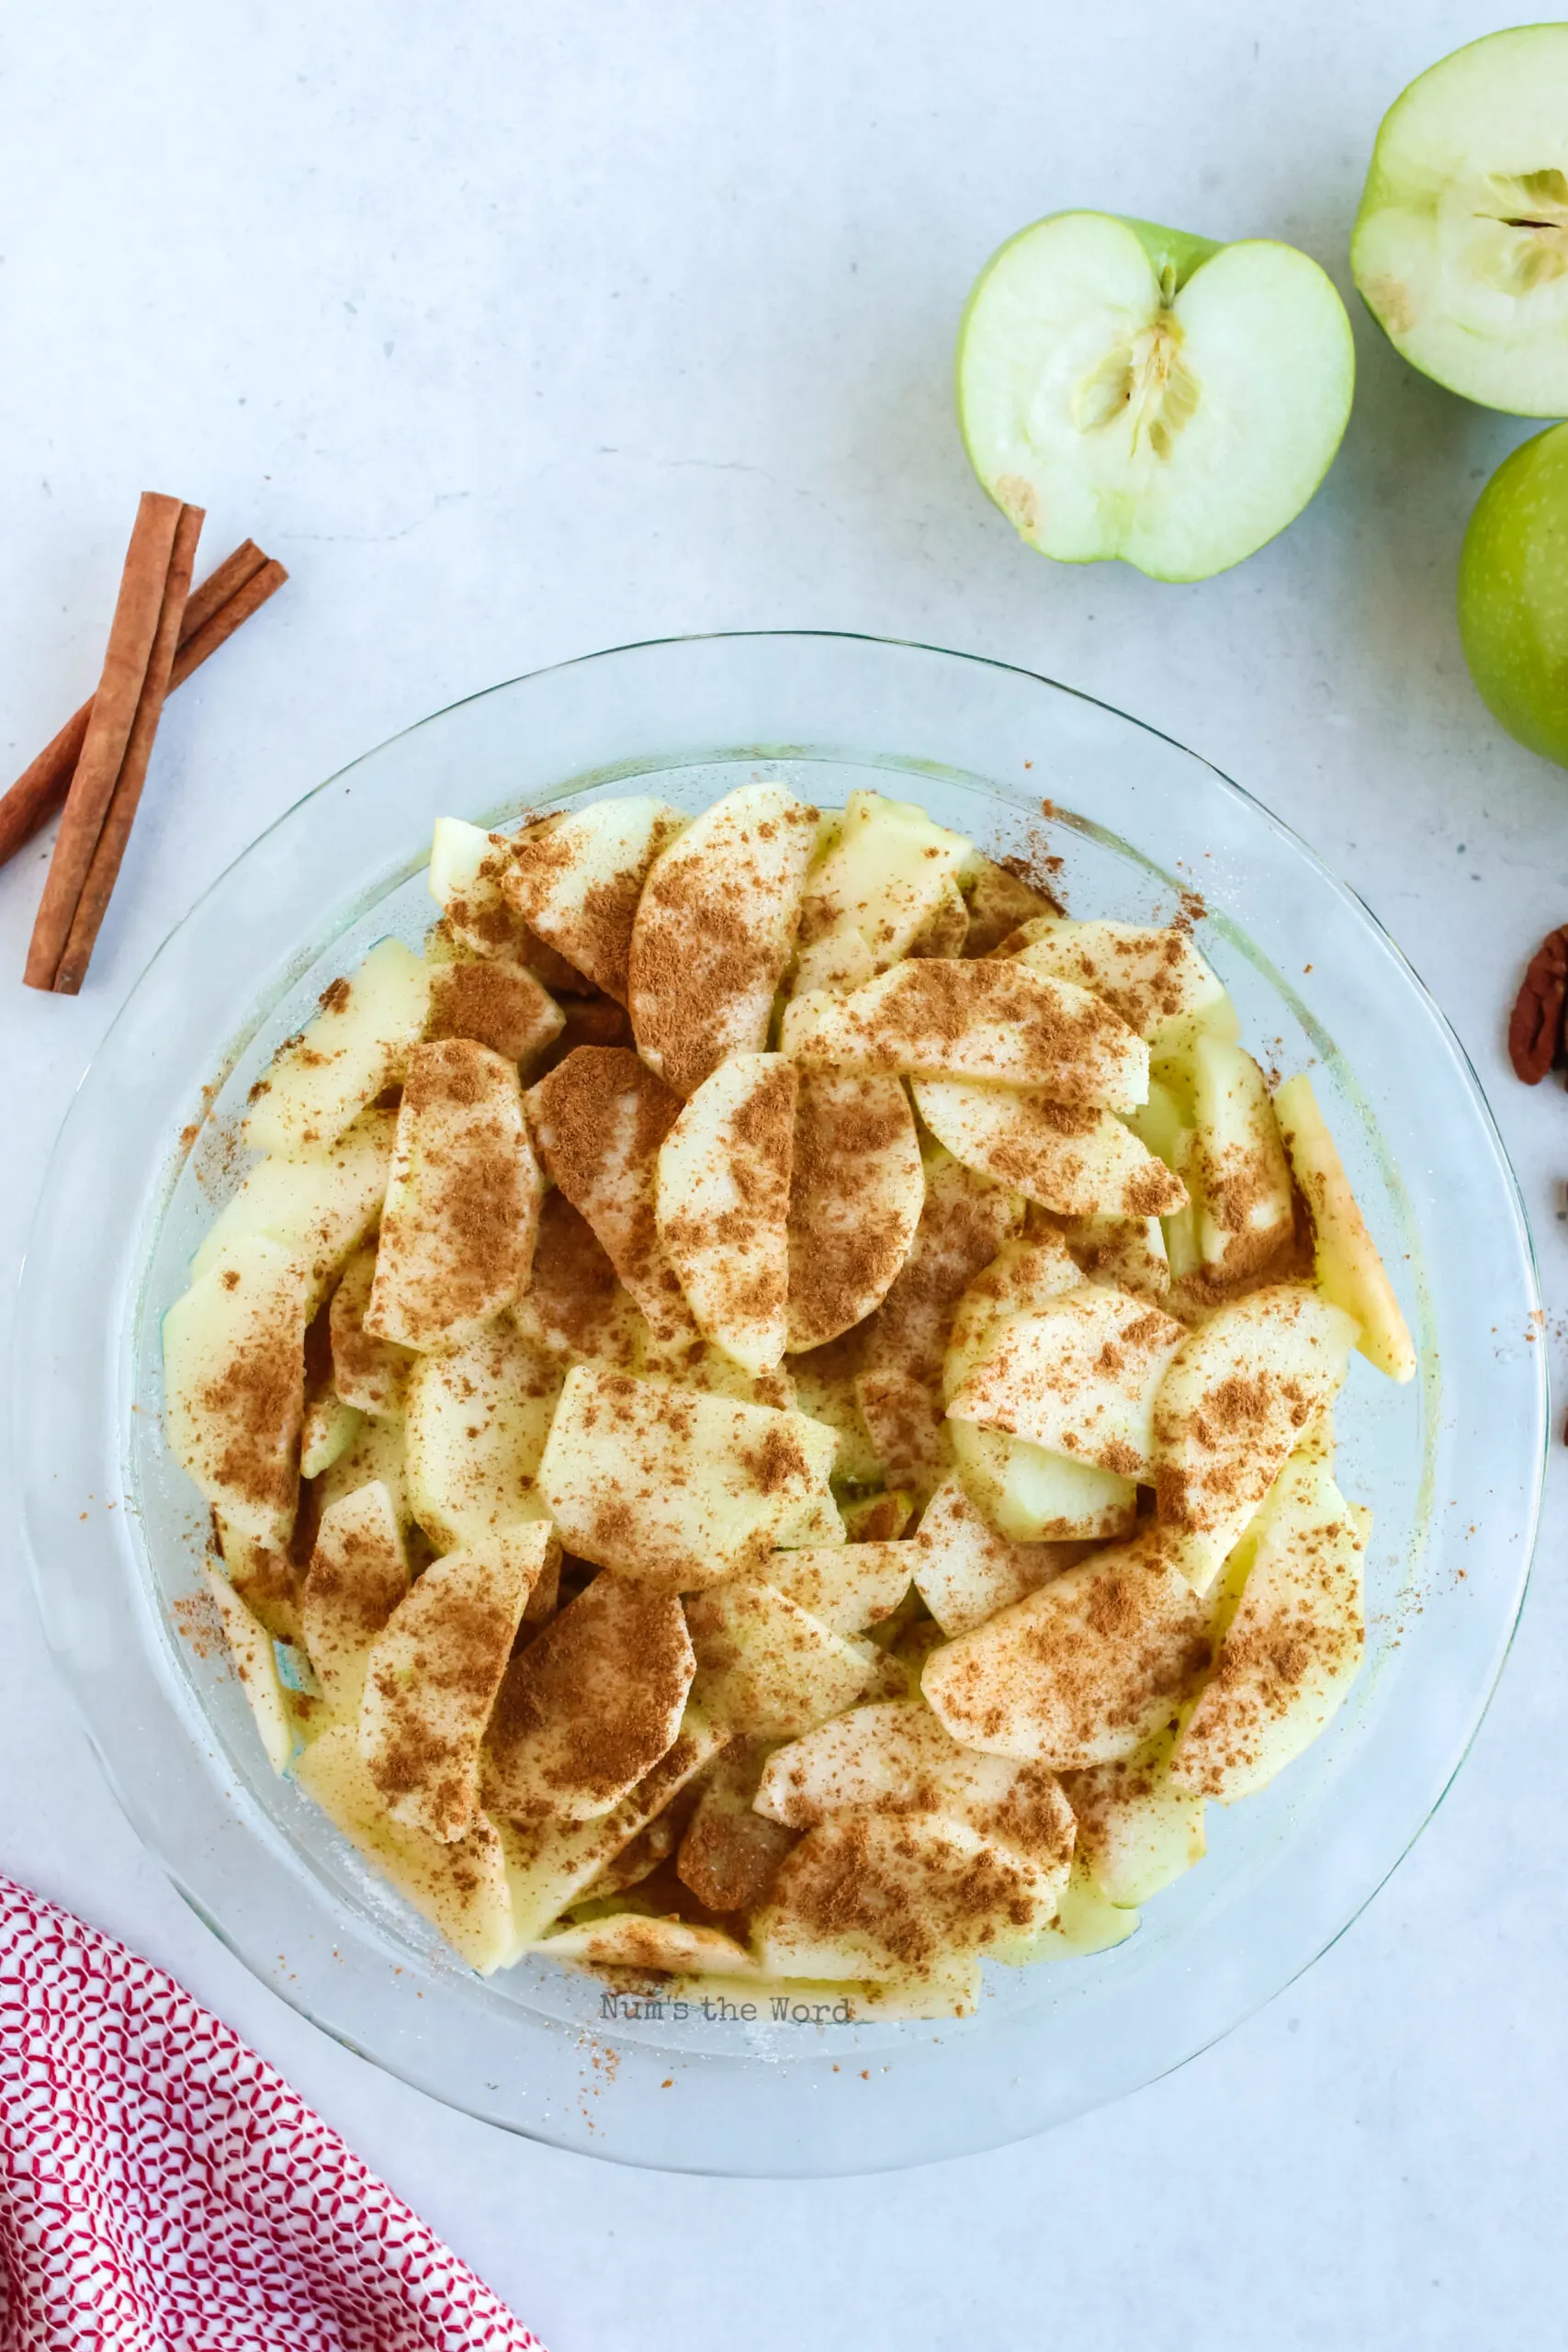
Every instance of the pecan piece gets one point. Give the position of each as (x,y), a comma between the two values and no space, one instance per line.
(1536,1025)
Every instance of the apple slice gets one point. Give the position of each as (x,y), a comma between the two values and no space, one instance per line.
(1165,1124)
(846,1586)
(368,1373)
(590,1705)
(320,1204)
(1070,1158)
(1085,1670)
(940,1018)
(551,1863)
(329,1429)
(1347,1267)
(714,927)
(1458,244)
(358,1574)
(999,901)
(825,1392)
(468,870)
(599,1120)
(722,1203)
(1237,1170)
(254,1660)
(909,1433)
(477,1421)
(1121,1253)
(463,1202)
(498,1005)
(945,931)
(693,1362)
(868,1895)
(576,876)
(964,1572)
(1137,1829)
(886,875)
(377,1453)
(431,1676)
(264,1579)
(857,1189)
(766,1666)
(634,1939)
(963,1223)
(1292,1650)
(671,1485)
(879,1519)
(234,1386)
(731,1853)
(462,1888)
(838,961)
(1078,1376)
(574,1306)
(357,1045)
(1026,1495)
(1235,1403)
(1129,390)
(1153,976)
(1087,1922)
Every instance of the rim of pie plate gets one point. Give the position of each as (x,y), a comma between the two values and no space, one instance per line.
(1097,750)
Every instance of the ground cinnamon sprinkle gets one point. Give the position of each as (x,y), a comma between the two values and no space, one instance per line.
(599,1120)
(594,1701)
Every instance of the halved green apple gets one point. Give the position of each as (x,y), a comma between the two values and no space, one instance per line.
(1129,390)
(1461,244)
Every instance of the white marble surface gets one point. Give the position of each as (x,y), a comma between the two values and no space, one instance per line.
(521,330)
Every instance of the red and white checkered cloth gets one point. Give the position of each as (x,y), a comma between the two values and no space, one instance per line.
(163,2190)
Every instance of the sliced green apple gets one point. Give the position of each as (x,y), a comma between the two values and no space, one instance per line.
(715,928)
(846,1586)
(432,1675)
(857,1188)
(321,1203)
(1153,975)
(254,1660)
(1347,1267)
(1293,1646)
(1461,244)
(1138,1828)
(673,1485)
(766,1666)
(884,875)
(367,1371)
(1070,1158)
(467,872)
(462,1203)
(357,1045)
(234,1383)
(1236,1166)
(962,1570)
(576,876)
(358,1574)
(591,1703)
(498,1005)
(477,1421)
(963,1222)
(722,1202)
(983,1020)
(1078,1376)
(599,1120)
(329,1429)
(1085,1670)
(1128,390)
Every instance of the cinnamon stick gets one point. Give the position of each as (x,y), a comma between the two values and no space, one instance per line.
(137,612)
(40,790)
(120,814)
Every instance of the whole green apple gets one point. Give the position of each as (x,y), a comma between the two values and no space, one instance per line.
(1513,593)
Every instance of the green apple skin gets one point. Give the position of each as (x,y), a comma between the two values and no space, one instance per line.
(1513,594)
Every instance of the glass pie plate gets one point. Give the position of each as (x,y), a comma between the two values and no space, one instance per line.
(1451,1463)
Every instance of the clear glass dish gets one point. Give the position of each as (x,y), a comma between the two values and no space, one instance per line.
(1453,1465)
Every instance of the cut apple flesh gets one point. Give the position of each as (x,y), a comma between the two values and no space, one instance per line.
(1070,1158)
(577,878)
(593,1703)
(463,1200)
(254,1660)
(358,1574)
(234,1382)
(722,1199)
(1078,1376)
(1461,244)
(1137,1828)
(1154,977)
(467,872)
(985,1020)
(1347,1267)
(857,1189)
(963,1222)
(599,1120)
(367,1371)
(846,1586)
(767,1666)
(1083,1671)
(714,929)
(731,1853)
(963,1571)
(357,1045)
(672,1486)
(432,1675)
(1241,1184)
(498,1005)
(320,1204)
(886,875)
(1126,390)
(477,1420)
